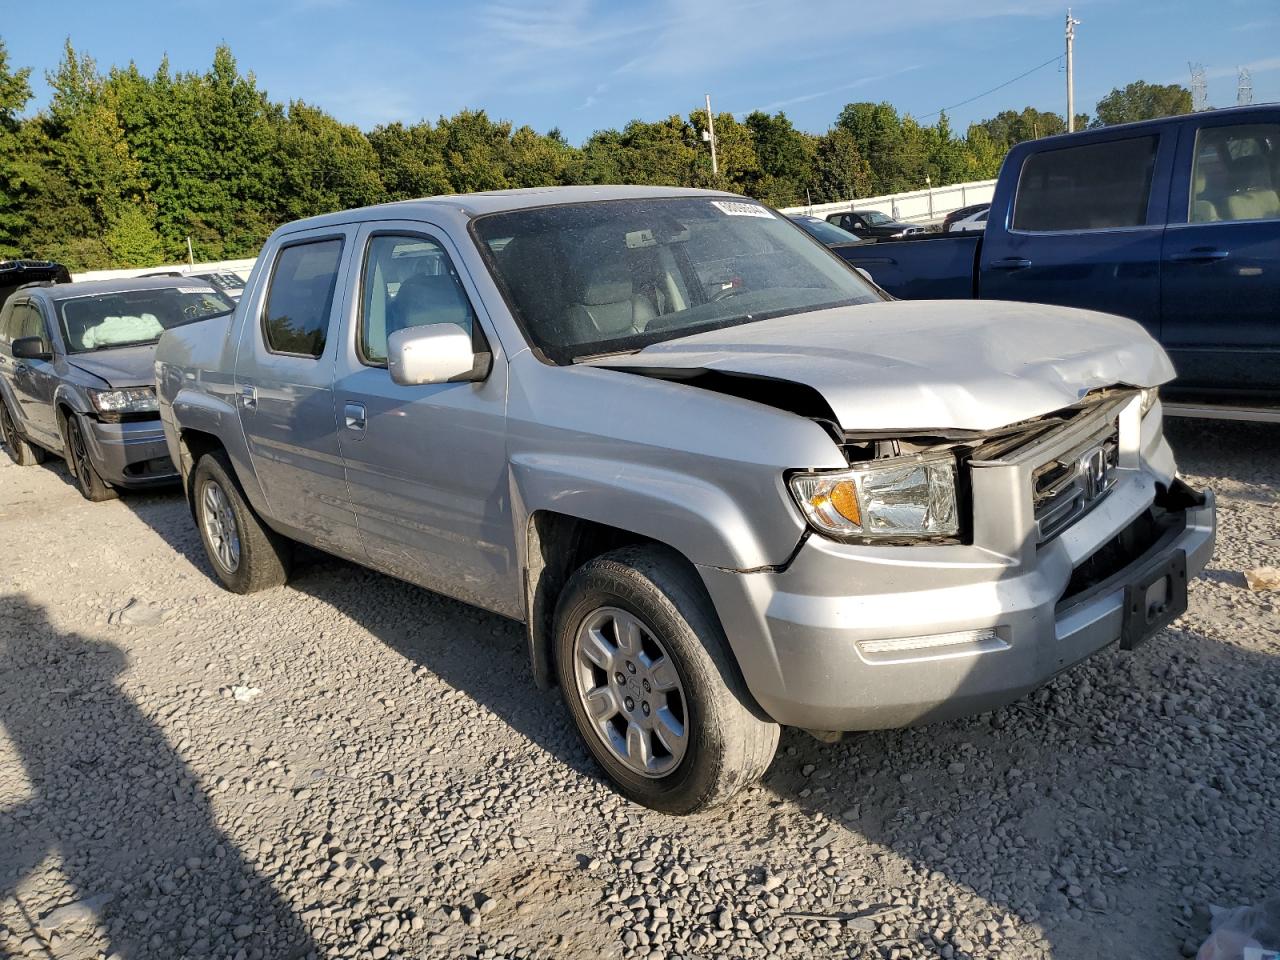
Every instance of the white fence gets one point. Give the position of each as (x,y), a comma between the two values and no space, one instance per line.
(241,267)
(916,206)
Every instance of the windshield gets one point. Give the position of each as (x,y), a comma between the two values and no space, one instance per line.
(874,217)
(828,233)
(127,318)
(618,275)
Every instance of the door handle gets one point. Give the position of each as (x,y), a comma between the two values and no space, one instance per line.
(1200,255)
(249,398)
(19,366)
(354,416)
(1011,263)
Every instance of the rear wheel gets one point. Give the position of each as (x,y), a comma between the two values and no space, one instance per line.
(646,673)
(245,554)
(88,481)
(20,451)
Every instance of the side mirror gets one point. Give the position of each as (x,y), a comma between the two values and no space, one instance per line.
(437,353)
(865,274)
(31,348)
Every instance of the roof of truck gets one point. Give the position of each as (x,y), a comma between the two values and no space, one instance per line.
(471,205)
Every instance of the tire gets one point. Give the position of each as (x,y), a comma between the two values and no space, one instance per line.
(702,740)
(245,554)
(21,451)
(88,481)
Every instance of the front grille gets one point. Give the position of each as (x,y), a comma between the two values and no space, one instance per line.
(1069,485)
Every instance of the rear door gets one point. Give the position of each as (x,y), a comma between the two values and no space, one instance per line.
(284,388)
(34,381)
(427,464)
(1220,289)
(1086,226)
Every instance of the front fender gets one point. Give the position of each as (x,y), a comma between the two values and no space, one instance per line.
(691,515)
(206,413)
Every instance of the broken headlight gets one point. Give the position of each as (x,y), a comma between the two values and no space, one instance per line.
(898,498)
(117,402)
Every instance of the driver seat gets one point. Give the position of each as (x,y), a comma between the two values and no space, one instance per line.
(608,305)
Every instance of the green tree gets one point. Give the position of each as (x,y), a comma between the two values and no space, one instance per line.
(325,165)
(15,92)
(410,161)
(131,239)
(877,133)
(840,172)
(1142,101)
(785,156)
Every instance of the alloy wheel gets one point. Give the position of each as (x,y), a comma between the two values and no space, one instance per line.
(80,465)
(219,522)
(631,692)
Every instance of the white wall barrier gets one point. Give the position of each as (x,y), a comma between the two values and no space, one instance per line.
(241,267)
(915,206)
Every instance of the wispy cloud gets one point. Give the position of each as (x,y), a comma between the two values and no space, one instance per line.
(832,91)
(1257,66)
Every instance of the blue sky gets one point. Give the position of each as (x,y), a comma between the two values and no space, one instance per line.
(583,65)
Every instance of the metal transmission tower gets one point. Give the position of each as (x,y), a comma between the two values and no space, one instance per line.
(1199,88)
(1244,88)
(1071,88)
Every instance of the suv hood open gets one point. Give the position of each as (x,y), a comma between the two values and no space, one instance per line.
(925,365)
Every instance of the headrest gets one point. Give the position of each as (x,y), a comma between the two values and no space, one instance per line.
(608,281)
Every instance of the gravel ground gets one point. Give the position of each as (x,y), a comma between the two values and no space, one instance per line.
(353,767)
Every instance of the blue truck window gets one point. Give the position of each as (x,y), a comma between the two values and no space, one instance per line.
(1236,175)
(296,319)
(1095,186)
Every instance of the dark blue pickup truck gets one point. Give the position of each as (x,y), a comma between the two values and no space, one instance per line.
(1174,223)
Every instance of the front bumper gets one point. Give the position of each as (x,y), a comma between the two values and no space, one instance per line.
(810,637)
(797,634)
(130,454)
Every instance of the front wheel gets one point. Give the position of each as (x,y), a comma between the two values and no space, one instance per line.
(88,481)
(647,676)
(246,555)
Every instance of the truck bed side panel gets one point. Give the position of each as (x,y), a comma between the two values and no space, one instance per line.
(936,268)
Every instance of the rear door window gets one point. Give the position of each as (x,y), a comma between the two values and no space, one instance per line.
(300,298)
(1095,186)
(1236,173)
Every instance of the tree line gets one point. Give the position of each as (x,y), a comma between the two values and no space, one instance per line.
(120,167)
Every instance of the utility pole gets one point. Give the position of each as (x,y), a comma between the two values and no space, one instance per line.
(191,257)
(1071,88)
(710,137)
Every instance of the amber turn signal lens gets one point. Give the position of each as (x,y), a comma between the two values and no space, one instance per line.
(844,497)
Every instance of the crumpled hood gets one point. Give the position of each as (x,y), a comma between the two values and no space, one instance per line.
(120,366)
(946,364)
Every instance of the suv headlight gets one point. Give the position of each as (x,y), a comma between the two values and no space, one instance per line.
(1149,397)
(131,400)
(906,497)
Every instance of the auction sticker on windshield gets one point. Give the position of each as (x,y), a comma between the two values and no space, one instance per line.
(734,209)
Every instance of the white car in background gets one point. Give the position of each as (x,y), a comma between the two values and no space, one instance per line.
(975,221)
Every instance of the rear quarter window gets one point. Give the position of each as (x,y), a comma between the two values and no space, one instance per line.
(300,298)
(1094,186)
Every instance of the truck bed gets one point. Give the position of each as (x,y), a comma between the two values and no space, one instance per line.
(926,266)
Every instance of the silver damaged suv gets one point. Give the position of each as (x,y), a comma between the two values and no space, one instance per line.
(726,483)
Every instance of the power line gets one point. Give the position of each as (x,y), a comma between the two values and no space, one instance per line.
(1057,57)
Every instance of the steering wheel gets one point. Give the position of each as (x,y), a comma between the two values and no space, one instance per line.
(726,293)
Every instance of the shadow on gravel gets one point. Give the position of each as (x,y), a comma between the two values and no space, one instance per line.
(116,811)
(481,654)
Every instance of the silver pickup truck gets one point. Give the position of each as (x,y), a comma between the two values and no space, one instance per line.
(726,482)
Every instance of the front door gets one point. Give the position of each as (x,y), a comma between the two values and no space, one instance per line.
(284,389)
(1086,228)
(1221,283)
(34,381)
(426,465)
